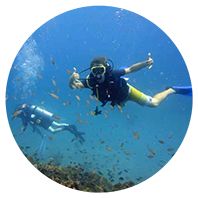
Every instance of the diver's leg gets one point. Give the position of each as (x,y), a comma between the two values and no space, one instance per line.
(58,127)
(144,100)
(71,128)
(137,96)
(158,98)
(56,124)
(55,130)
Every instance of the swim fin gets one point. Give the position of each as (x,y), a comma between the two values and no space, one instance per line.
(184,90)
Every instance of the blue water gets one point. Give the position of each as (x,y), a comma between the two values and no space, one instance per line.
(73,39)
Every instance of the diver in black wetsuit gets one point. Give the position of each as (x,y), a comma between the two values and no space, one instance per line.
(109,85)
(38,117)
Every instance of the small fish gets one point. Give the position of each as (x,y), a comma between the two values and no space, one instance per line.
(170,149)
(54,82)
(170,137)
(86,158)
(21,147)
(92,113)
(120,173)
(127,115)
(39,75)
(152,151)
(93,171)
(52,61)
(114,168)
(106,111)
(161,141)
(108,148)
(87,103)
(32,93)
(80,121)
(27,147)
(122,145)
(121,178)
(150,156)
(42,102)
(119,107)
(138,178)
(111,107)
(106,116)
(91,97)
(23,128)
(100,172)
(57,117)
(24,105)
(69,72)
(77,97)
(136,135)
(57,90)
(102,142)
(54,95)
(19,79)
(96,99)
(16,113)
(51,138)
(86,122)
(128,153)
(64,104)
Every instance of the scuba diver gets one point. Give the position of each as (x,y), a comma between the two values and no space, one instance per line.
(109,85)
(38,117)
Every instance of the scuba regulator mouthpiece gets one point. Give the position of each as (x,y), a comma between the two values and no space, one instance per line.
(98,76)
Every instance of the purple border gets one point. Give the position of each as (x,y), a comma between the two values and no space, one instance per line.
(160,9)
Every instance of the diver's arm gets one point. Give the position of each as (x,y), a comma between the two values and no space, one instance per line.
(24,121)
(139,66)
(36,129)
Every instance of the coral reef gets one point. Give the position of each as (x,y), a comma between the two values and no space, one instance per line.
(76,178)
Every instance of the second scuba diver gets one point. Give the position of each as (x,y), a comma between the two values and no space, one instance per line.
(38,117)
(108,85)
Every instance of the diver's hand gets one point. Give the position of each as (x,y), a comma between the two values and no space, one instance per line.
(149,61)
(76,75)
(74,80)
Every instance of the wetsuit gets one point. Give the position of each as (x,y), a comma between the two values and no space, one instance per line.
(115,89)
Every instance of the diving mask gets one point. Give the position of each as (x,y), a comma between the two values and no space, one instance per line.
(98,69)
